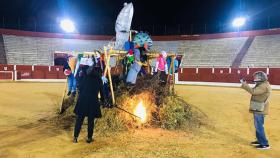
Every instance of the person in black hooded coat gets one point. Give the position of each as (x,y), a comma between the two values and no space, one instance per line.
(88,102)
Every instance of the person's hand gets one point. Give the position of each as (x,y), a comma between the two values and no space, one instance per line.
(104,79)
(107,104)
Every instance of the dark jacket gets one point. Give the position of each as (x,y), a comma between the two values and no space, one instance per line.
(88,102)
(66,66)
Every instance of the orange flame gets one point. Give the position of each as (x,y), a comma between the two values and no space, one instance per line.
(140,111)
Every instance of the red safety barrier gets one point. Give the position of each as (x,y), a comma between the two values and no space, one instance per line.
(56,68)
(6,67)
(41,68)
(38,75)
(51,75)
(274,76)
(24,67)
(221,70)
(205,74)
(226,75)
(24,74)
(6,75)
(61,75)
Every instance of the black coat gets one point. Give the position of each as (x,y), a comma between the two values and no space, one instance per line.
(88,102)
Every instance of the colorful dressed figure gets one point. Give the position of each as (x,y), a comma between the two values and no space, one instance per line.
(176,64)
(135,68)
(143,40)
(69,71)
(161,66)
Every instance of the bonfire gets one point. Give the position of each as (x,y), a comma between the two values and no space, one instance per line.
(148,104)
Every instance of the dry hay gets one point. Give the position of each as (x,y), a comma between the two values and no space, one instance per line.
(164,109)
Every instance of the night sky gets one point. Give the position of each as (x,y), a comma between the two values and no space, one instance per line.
(166,17)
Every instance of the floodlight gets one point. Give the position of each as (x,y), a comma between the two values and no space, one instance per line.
(238,22)
(67,25)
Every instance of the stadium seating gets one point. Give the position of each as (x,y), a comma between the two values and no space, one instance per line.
(39,51)
(2,51)
(264,51)
(213,52)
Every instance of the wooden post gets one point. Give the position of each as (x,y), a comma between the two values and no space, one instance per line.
(130,36)
(63,97)
(173,75)
(105,58)
(107,69)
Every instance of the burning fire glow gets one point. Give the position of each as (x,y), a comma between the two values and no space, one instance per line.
(140,111)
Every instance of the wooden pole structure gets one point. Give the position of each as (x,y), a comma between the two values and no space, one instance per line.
(173,75)
(110,79)
(108,71)
(105,58)
(63,97)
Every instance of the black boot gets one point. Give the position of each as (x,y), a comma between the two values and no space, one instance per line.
(89,140)
(75,140)
(74,94)
(69,93)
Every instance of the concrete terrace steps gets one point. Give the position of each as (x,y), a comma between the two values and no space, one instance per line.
(238,59)
(39,51)
(264,51)
(3,59)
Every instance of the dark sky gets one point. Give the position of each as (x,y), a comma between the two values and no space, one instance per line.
(147,12)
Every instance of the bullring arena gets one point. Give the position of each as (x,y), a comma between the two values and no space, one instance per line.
(226,133)
(160,96)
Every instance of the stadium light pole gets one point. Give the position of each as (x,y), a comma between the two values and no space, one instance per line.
(67,25)
(239,22)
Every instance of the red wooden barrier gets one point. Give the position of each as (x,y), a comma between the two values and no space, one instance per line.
(24,74)
(38,75)
(24,67)
(274,76)
(221,70)
(51,75)
(61,75)
(225,75)
(6,76)
(205,74)
(41,68)
(6,67)
(56,68)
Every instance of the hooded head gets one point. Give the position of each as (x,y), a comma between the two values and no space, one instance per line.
(164,54)
(260,76)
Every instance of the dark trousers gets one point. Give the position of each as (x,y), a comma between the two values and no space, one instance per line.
(79,123)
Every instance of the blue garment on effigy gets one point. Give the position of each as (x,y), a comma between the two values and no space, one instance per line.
(176,64)
(135,68)
(128,45)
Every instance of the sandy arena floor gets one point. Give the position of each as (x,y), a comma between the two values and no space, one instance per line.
(25,133)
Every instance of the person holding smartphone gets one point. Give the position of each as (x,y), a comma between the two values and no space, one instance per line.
(260,95)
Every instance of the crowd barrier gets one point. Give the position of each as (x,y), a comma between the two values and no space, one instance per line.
(18,72)
(226,75)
